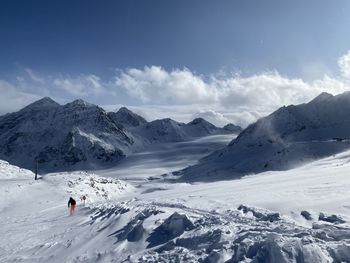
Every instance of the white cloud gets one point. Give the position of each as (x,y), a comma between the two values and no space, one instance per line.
(182,94)
(261,93)
(33,76)
(12,99)
(344,64)
(156,85)
(83,85)
(244,117)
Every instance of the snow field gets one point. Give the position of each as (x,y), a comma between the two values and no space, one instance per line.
(157,221)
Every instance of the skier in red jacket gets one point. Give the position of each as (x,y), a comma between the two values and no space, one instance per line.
(71,205)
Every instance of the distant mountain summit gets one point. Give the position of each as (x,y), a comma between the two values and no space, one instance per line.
(168,130)
(201,121)
(288,137)
(127,118)
(163,130)
(81,135)
(205,126)
(45,102)
(232,128)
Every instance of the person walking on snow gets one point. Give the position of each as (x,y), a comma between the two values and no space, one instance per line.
(71,205)
(83,199)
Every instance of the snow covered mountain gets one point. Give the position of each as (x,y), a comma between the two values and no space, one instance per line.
(77,134)
(288,137)
(127,118)
(80,135)
(233,128)
(168,130)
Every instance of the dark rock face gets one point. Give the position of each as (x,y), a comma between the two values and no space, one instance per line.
(331,219)
(306,215)
(271,217)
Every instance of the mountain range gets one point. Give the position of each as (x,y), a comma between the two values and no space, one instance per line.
(289,137)
(80,135)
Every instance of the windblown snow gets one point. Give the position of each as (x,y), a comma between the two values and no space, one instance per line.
(300,215)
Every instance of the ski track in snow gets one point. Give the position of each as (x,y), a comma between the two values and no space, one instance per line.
(125,220)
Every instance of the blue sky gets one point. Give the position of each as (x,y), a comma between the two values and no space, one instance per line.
(122,52)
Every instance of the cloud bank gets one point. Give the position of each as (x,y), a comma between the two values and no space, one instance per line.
(179,93)
(81,86)
(181,87)
(12,98)
(226,98)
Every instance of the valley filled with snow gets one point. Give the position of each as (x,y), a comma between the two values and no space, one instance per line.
(139,212)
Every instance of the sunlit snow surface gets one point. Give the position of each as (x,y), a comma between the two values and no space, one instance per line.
(166,157)
(129,218)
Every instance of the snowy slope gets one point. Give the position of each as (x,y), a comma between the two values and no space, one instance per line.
(178,222)
(289,137)
(159,160)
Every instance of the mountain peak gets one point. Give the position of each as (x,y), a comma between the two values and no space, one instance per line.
(44,102)
(322,97)
(233,128)
(126,117)
(163,121)
(200,120)
(125,110)
(47,100)
(78,102)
